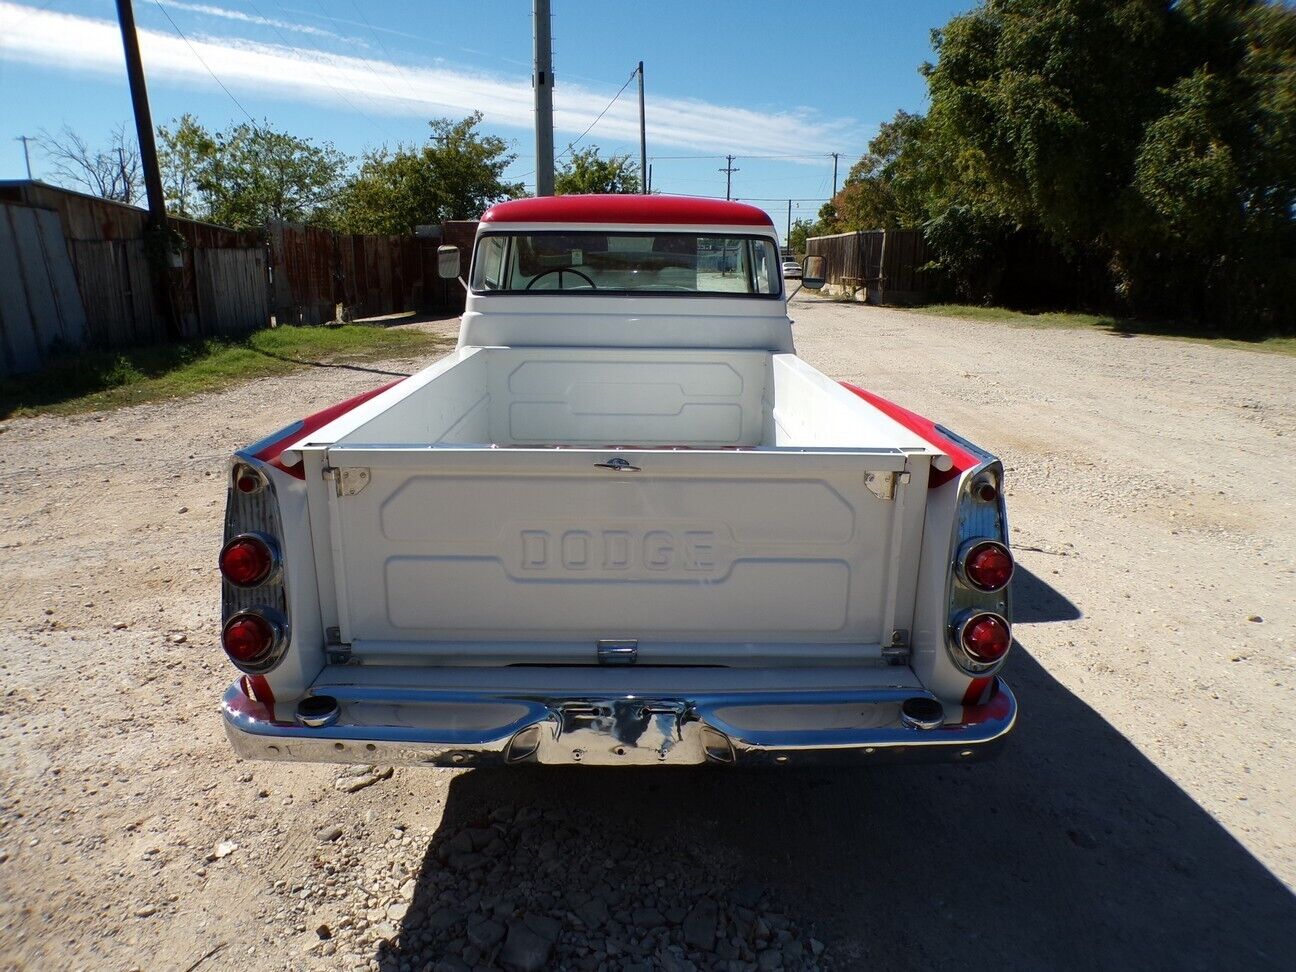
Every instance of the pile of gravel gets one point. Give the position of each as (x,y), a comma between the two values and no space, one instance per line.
(525,890)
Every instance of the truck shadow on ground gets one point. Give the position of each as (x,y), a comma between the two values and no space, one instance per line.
(1072,850)
(1037,602)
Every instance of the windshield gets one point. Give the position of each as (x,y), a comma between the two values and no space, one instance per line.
(626,262)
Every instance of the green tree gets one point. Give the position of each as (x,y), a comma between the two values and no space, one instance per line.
(586,172)
(886,188)
(185,151)
(456,176)
(257,174)
(248,175)
(802,229)
(1152,141)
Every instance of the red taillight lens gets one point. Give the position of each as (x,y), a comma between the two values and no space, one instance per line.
(988,566)
(986,638)
(246,561)
(247,480)
(248,638)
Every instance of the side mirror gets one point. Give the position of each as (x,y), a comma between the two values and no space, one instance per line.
(448,262)
(814,272)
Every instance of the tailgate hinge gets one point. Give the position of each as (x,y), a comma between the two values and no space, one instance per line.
(347,481)
(897,653)
(883,485)
(337,650)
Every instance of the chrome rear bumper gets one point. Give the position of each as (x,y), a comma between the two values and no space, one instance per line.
(423,727)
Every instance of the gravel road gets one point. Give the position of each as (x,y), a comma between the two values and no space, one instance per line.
(1141,817)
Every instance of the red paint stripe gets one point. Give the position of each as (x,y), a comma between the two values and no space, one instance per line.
(259,689)
(994,707)
(976,691)
(298,431)
(258,699)
(961,458)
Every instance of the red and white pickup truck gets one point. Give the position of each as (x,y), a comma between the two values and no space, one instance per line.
(622,524)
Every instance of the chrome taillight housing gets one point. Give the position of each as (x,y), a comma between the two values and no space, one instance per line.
(983,635)
(255,628)
(985,565)
(249,559)
(978,590)
(254,639)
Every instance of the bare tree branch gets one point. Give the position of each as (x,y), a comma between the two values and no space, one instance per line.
(112,172)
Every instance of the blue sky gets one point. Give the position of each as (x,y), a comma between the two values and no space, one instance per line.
(755,79)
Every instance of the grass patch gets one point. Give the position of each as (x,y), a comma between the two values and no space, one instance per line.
(1114,325)
(96,380)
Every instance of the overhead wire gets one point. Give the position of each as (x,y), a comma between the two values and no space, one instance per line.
(590,127)
(323,77)
(572,145)
(215,78)
(381,46)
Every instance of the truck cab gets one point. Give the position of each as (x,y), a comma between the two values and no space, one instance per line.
(621,524)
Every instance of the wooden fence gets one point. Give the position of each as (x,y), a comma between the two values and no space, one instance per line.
(74,272)
(319,274)
(40,306)
(882,266)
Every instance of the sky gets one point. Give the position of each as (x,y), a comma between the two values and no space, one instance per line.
(780,86)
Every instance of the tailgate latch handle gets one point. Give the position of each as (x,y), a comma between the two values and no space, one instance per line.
(617,652)
(617,464)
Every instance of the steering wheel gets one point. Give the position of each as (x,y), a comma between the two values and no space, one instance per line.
(560,271)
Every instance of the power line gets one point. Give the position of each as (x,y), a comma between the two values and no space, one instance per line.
(177,29)
(382,47)
(323,77)
(671,158)
(572,145)
(590,127)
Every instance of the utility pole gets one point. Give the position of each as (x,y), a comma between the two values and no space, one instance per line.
(143,119)
(643,138)
(787,240)
(729,170)
(650,177)
(834,155)
(26,152)
(542,80)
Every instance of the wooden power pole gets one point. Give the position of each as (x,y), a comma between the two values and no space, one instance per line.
(158,274)
(729,170)
(143,118)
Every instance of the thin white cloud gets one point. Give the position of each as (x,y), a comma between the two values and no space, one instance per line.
(224,13)
(86,44)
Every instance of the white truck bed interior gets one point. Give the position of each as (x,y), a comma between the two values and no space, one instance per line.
(494,526)
(608,398)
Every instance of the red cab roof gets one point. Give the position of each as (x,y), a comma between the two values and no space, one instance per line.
(680,210)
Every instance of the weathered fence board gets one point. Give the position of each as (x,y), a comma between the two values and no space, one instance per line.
(232,290)
(41,309)
(223,281)
(316,271)
(114,280)
(884,265)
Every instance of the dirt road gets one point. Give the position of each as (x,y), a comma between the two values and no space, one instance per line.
(1141,817)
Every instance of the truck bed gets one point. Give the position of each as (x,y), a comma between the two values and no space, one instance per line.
(524,506)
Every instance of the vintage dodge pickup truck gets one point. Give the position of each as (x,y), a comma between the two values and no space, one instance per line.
(621,524)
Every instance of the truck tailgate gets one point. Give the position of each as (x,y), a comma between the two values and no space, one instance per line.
(559,549)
